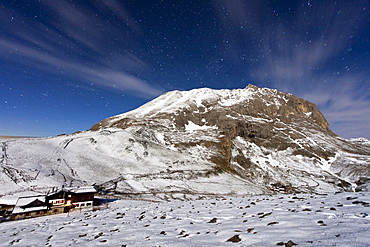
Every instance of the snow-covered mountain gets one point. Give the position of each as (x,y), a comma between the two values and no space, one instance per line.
(244,141)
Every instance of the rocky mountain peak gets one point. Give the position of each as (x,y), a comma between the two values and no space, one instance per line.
(247,132)
(203,141)
(202,105)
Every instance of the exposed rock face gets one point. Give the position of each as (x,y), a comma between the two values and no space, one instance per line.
(203,141)
(254,132)
(223,105)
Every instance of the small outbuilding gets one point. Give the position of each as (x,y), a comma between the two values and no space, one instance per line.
(30,206)
(5,210)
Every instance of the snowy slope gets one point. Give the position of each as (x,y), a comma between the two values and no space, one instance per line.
(244,141)
(306,220)
(174,100)
(134,165)
(270,138)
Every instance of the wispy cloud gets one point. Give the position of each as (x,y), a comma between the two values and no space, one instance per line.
(303,54)
(95,44)
(345,102)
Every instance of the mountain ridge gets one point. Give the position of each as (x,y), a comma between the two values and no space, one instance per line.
(256,105)
(243,141)
(226,98)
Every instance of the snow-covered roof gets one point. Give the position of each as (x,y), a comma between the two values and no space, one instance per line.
(18,210)
(78,190)
(23,201)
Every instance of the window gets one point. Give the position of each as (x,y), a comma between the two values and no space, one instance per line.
(88,204)
(82,204)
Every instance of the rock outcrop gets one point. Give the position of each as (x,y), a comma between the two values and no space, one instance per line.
(250,132)
(244,141)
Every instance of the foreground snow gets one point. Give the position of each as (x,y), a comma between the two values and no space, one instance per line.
(307,220)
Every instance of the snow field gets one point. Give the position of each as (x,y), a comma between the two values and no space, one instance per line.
(307,220)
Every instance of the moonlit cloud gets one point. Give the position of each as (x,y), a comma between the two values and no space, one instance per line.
(303,53)
(72,42)
(345,103)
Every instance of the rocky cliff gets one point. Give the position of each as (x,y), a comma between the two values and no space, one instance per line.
(243,141)
(265,136)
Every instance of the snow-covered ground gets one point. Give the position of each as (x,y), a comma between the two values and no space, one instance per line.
(307,220)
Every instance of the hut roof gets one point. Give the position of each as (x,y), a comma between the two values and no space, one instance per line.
(30,204)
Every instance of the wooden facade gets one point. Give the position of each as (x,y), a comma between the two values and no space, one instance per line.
(72,198)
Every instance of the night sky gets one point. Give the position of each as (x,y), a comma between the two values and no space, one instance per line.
(67,64)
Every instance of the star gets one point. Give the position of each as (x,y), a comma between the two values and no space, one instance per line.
(84,61)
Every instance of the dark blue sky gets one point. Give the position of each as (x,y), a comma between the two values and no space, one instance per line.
(67,64)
